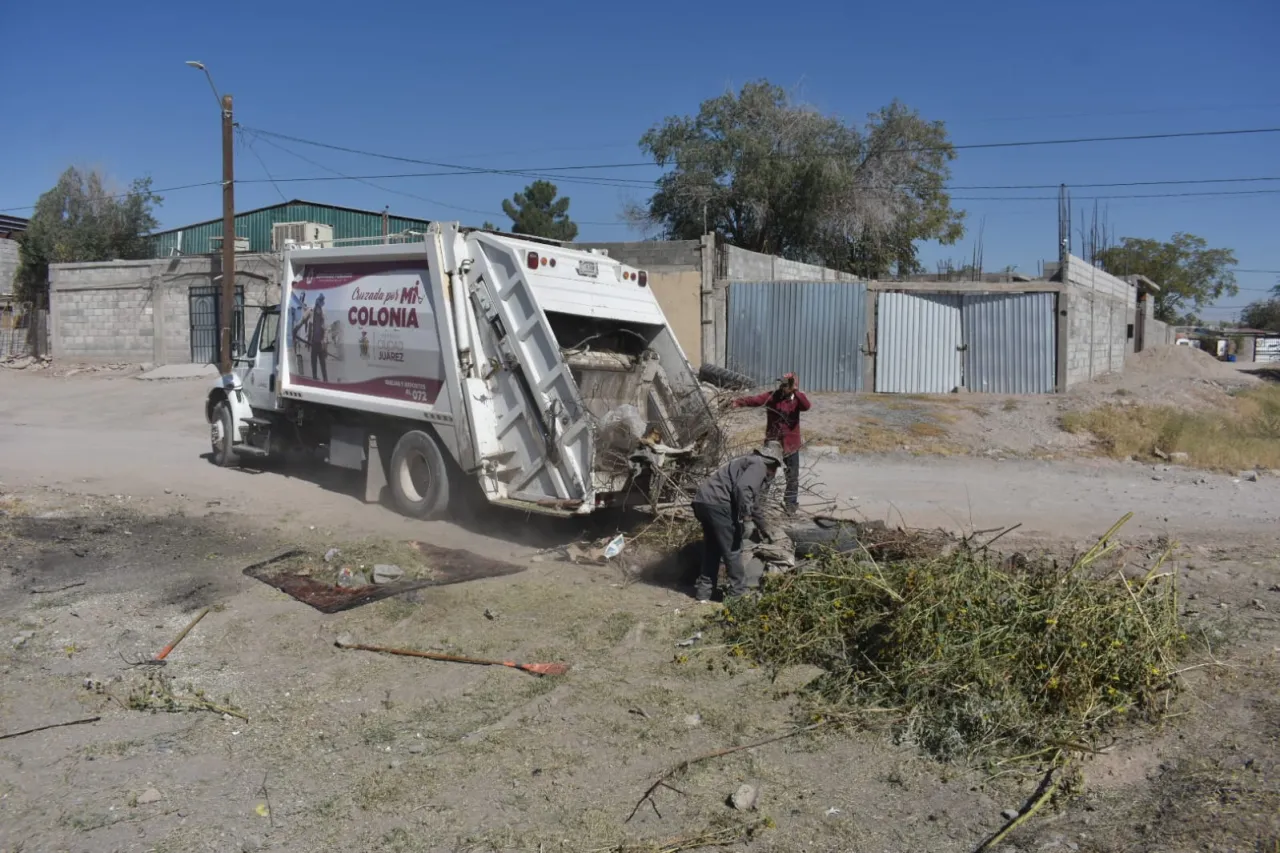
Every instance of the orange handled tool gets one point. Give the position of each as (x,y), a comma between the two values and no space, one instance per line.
(535,668)
(164,653)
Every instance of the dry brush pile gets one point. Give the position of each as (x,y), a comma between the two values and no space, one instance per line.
(973,655)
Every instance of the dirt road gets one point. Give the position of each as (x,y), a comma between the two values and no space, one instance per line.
(114,530)
(147,440)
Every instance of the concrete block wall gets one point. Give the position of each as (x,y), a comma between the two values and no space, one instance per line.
(8,266)
(139,311)
(653,255)
(744,265)
(1158,334)
(1100,309)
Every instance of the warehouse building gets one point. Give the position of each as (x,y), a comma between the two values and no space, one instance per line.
(266,228)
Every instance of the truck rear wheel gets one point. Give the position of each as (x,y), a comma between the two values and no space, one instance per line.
(419,479)
(221,436)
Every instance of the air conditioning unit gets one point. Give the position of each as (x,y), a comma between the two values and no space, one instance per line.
(241,245)
(311,234)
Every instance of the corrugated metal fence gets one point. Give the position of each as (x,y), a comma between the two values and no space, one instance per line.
(1010,343)
(996,343)
(814,328)
(926,342)
(918,343)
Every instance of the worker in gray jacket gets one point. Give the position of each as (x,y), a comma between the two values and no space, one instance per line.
(722,505)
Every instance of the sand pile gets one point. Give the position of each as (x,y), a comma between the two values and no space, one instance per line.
(1184,363)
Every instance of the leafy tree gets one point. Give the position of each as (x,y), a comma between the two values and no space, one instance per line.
(80,219)
(538,212)
(1263,314)
(1190,274)
(777,177)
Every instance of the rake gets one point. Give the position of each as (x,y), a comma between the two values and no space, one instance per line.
(159,659)
(535,668)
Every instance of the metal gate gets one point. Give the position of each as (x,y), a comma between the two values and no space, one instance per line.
(814,328)
(918,343)
(1266,350)
(204,305)
(1010,343)
(994,343)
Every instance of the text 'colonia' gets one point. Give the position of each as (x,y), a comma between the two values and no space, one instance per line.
(398,318)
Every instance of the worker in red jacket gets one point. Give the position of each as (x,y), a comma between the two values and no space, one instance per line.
(782,424)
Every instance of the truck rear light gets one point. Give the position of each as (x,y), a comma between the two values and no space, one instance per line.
(553,262)
(533,260)
(643,277)
(544,262)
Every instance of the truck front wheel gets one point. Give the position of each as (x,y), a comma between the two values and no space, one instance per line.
(221,436)
(419,479)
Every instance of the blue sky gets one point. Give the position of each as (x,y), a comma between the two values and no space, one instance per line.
(508,85)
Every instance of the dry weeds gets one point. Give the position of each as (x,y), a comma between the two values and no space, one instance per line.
(973,655)
(1241,434)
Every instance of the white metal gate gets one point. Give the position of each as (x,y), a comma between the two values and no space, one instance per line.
(1266,350)
(918,343)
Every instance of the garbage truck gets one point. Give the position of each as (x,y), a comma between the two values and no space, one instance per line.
(458,363)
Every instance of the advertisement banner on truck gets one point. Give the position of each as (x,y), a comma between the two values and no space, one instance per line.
(365,329)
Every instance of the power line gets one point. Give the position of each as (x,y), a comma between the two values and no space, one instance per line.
(963,147)
(869,190)
(363,180)
(596,180)
(127,194)
(1071,185)
(1113,113)
(1087,139)
(1117,196)
(366,182)
(248,143)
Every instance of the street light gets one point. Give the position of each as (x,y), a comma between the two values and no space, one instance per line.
(199,66)
(228,302)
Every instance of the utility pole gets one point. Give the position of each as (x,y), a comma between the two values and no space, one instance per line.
(227,302)
(228,236)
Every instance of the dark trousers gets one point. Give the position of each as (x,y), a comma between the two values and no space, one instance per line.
(791,464)
(721,540)
(319,358)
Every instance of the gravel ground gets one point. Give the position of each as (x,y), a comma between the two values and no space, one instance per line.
(104,485)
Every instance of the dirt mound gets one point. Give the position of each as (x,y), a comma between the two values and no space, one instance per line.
(1182,363)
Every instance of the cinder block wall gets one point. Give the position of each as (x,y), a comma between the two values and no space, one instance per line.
(744,265)
(139,311)
(1100,309)
(652,254)
(1159,334)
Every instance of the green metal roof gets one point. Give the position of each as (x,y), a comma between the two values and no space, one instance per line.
(347,223)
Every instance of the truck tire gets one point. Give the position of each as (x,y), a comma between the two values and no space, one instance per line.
(813,541)
(221,436)
(721,377)
(418,476)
